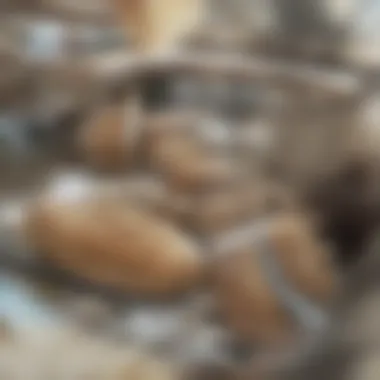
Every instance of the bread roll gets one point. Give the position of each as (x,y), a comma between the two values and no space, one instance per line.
(273,278)
(114,244)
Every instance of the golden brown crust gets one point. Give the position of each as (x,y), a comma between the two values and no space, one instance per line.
(247,300)
(188,167)
(304,258)
(250,301)
(115,244)
(109,140)
(156,26)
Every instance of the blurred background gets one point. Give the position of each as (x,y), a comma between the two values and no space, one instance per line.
(189,189)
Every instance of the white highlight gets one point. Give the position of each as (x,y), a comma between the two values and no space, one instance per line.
(154,326)
(71,187)
(46,41)
(215,132)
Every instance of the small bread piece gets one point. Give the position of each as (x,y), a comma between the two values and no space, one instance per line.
(272,278)
(187,167)
(109,139)
(157,26)
(114,244)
